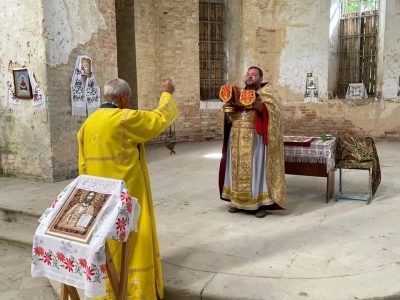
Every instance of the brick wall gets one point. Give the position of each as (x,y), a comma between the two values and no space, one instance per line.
(102,49)
(126,45)
(147,53)
(167,35)
(342,118)
(305,120)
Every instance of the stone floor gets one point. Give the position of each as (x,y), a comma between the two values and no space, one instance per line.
(16,282)
(313,250)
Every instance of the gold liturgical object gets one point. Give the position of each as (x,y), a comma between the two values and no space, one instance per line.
(229,94)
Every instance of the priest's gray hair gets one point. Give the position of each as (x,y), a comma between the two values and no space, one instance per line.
(114,87)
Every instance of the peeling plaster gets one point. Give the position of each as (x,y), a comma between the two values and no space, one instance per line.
(306,44)
(69,23)
(266,5)
(294,10)
(302,55)
(391,110)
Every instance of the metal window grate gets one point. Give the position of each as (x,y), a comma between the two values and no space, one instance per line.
(358,45)
(211,58)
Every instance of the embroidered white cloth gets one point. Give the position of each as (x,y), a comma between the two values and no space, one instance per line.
(318,152)
(38,100)
(79,264)
(85,93)
(311,96)
(14,103)
(356,91)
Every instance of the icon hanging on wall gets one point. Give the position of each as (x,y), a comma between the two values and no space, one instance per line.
(311,83)
(311,92)
(22,84)
(86,66)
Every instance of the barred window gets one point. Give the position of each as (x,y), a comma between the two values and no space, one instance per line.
(358,45)
(211,24)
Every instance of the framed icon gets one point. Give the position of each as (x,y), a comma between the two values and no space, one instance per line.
(311,83)
(86,66)
(77,217)
(22,84)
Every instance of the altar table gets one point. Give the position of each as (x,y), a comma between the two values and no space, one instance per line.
(317,159)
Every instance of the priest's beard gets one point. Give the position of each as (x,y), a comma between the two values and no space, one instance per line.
(252,86)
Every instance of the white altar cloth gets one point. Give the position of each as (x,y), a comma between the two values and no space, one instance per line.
(78,262)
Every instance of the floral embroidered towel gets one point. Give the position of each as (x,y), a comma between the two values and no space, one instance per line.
(85,93)
(14,104)
(38,99)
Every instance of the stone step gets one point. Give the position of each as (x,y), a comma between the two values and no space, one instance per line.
(17,234)
(11,215)
(17,227)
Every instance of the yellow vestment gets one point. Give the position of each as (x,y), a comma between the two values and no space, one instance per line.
(111,145)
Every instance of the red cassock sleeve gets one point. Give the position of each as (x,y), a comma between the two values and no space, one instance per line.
(261,123)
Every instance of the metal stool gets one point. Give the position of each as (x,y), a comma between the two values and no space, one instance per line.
(360,154)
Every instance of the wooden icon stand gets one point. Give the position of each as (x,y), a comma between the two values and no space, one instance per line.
(119,287)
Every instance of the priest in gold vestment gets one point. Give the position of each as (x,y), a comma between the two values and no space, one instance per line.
(252,168)
(111,144)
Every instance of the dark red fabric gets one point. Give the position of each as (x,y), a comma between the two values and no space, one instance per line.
(261,123)
(299,144)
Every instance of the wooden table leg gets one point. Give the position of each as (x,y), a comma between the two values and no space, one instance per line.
(330,185)
(112,272)
(73,293)
(64,292)
(123,280)
(68,291)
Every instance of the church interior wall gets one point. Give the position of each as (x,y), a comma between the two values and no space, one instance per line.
(307,41)
(391,57)
(94,36)
(147,39)
(286,38)
(167,36)
(24,136)
(126,45)
(48,39)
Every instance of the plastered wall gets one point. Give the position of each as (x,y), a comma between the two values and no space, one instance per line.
(289,38)
(310,34)
(47,38)
(24,137)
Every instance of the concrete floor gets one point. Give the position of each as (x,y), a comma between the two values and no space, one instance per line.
(313,250)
